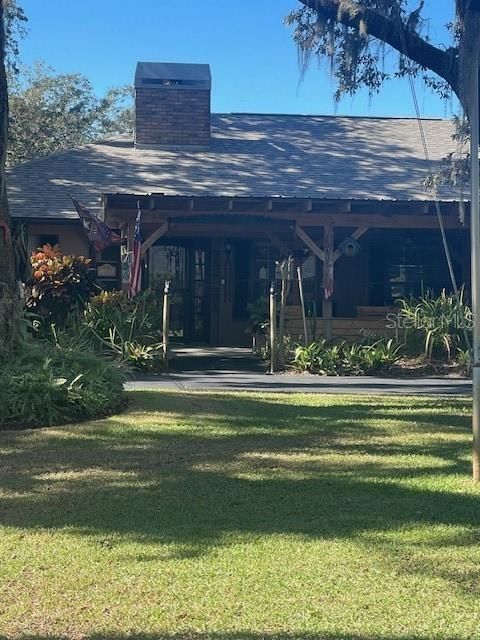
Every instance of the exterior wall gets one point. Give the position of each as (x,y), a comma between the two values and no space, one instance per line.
(351,283)
(71,237)
(169,116)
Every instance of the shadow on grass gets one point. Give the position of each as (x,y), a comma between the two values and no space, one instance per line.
(242,635)
(231,465)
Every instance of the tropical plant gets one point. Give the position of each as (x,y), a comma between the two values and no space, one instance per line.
(46,385)
(319,357)
(464,360)
(59,285)
(380,356)
(126,328)
(342,358)
(436,325)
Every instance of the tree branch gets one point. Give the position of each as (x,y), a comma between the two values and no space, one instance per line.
(353,14)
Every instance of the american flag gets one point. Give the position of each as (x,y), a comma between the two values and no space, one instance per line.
(135,282)
(99,234)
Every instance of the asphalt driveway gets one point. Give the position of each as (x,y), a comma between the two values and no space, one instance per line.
(235,369)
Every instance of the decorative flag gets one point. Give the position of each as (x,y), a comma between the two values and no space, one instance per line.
(135,282)
(329,264)
(99,234)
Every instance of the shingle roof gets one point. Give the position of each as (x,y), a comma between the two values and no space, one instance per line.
(249,155)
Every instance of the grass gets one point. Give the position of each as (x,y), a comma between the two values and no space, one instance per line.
(243,517)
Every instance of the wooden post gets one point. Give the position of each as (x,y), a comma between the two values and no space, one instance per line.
(328,317)
(302,302)
(273,323)
(328,280)
(166,323)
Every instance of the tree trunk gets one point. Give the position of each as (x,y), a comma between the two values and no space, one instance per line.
(8,324)
(469,45)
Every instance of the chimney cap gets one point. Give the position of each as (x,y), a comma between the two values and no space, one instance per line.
(164,75)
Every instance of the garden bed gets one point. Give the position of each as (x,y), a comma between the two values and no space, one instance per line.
(420,368)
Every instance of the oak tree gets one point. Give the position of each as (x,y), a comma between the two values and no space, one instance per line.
(354,34)
(52,111)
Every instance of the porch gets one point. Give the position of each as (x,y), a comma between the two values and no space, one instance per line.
(221,256)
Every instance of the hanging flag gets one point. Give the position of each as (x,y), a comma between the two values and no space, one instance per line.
(329,264)
(99,234)
(135,282)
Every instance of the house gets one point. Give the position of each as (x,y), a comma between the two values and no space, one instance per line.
(224,196)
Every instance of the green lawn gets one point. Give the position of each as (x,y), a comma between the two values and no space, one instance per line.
(243,516)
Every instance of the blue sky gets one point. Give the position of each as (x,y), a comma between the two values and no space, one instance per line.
(253,59)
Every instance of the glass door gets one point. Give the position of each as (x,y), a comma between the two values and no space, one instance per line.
(168,262)
(200,303)
(185,266)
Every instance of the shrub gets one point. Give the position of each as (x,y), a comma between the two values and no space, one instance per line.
(59,284)
(258,316)
(125,328)
(435,325)
(47,386)
(380,356)
(346,359)
(115,326)
(464,360)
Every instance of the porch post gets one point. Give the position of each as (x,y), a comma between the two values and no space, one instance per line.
(328,279)
(328,317)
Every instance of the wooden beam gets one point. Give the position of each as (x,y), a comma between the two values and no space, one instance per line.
(281,246)
(156,235)
(374,221)
(219,231)
(303,235)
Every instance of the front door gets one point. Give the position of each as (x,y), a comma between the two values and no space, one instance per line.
(185,265)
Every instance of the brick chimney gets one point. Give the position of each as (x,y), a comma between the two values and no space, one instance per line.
(172,105)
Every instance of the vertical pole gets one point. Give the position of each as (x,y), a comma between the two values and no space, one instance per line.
(166,323)
(328,317)
(328,280)
(273,328)
(302,302)
(475,249)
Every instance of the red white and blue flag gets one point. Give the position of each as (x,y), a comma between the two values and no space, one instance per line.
(99,234)
(135,281)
